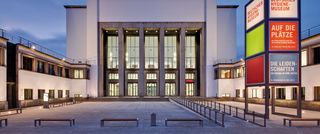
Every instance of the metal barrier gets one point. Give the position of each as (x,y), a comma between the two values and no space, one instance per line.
(240,113)
(205,111)
(310,32)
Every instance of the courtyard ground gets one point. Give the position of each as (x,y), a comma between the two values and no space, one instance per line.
(89,114)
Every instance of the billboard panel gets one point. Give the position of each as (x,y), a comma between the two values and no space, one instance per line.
(255,68)
(284,36)
(255,41)
(284,68)
(254,13)
(283,8)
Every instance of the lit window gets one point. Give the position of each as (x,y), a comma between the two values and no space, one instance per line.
(132,76)
(112,51)
(132,52)
(189,76)
(113,76)
(225,73)
(151,52)
(170,76)
(151,76)
(304,58)
(170,47)
(239,72)
(190,52)
(78,74)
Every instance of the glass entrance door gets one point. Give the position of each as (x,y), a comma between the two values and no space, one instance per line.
(170,89)
(132,89)
(189,89)
(113,89)
(151,89)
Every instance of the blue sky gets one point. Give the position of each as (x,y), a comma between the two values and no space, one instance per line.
(44,21)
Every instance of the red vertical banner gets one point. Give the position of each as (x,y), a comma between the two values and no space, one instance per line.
(255,69)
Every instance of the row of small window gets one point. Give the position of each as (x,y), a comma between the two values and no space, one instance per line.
(150,76)
(229,73)
(280,93)
(2,56)
(151,89)
(28,94)
(151,52)
(27,64)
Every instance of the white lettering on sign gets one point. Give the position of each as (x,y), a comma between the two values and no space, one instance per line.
(283,8)
(255,13)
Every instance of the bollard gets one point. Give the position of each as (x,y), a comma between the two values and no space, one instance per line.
(153,119)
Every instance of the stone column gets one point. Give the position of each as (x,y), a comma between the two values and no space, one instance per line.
(121,57)
(141,63)
(182,68)
(161,65)
(203,80)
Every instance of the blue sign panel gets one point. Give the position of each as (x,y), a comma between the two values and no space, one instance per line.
(284,68)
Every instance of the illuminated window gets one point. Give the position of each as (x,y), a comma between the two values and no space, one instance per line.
(170,76)
(132,76)
(112,52)
(304,59)
(189,76)
(190,89)
(170,89)
(225,73)
(132,89)
(113,76)
(151,89)
(78,74)
(170,54)
(190,52)
(151,52)
(151,76)
(113,89)
(132,54)
(238,72)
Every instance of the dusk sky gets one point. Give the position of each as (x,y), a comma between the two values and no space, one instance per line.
(44,21)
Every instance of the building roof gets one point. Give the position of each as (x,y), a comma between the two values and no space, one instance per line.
(75,6)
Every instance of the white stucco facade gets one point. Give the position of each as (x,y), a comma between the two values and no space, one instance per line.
(217,20)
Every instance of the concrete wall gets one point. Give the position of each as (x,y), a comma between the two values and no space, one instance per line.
(76,33)
(227,29)
(152,10)
(35,81)
(310,80)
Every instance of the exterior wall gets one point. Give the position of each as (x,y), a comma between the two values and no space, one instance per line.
(151,10)
(227,29)
(35,81)
(76,33)
(310,80)
(3,83)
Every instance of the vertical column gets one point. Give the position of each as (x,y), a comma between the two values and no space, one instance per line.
(161,67)
(121,61)
(310,56)
(202,66)
(182,68)
(141,63)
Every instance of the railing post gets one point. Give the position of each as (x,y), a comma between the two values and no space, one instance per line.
(224,108)
(236,111)
(254,117)
(230,110)
(210,114)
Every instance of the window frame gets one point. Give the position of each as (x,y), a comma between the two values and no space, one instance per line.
(28,94)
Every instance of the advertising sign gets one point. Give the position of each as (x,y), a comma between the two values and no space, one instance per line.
(255,41)
(254,13)
(284,36)
(255,68)
(284,68)
(283,8)
(45,97)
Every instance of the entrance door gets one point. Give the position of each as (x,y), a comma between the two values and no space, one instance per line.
(170,89)
(12,96)
(151,89)
(189,89)
(132,89)
(113,89)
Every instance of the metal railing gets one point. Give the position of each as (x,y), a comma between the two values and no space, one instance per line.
(310,32)
(27,43)
(240,113)
(205,111)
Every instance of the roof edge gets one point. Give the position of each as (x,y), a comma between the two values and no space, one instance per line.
(227,6)
(75,6)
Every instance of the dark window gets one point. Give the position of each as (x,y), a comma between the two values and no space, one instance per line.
(51,94)
(59,71)
(281,93)
(60,93)
(40,94)
(238,93)
(67,73)
(317,93)
(27,63)
(316,57)
(216,73)
(40,67)
(28,95)
(51,69)
(295,93)
(67,93)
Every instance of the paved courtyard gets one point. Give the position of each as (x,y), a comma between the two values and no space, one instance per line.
(89,114)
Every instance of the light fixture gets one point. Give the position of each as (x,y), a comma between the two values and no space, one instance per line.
(107,31)
(176,31)
(136,31)
(146,31)
(186,31)
(127,31)
(33,47)
(63,59)
(116,31)
(156,31)
(166,31)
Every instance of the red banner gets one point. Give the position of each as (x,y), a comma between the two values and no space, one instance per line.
(255,70)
